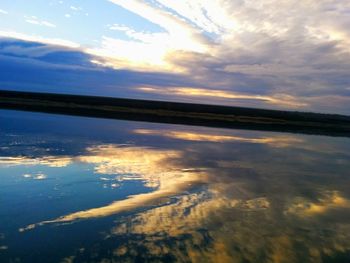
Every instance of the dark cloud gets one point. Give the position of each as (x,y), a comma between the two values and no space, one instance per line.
(271,73)
(31,66)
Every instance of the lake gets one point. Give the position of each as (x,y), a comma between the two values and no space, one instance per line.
(76,189)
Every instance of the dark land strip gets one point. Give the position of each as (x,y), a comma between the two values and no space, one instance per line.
(178,113)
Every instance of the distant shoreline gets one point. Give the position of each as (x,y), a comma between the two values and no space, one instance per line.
(178,113)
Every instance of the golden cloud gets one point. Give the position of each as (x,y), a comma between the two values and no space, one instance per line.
(277,141)
(283,100)
(329,201)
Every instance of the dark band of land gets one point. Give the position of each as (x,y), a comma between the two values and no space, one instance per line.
(178,113)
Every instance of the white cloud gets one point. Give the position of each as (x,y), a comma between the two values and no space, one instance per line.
(119,27)
(177,35)
(75,8)
(170,23)
(245,27)
(40,176)
(34,38)
(3,12)
(210,16)
(36,21)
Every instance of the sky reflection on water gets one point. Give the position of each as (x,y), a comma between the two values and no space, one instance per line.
(88,190)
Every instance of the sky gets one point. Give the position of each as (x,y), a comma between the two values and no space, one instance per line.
(287,55)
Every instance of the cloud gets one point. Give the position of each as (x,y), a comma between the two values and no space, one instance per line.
(277,141)
(50,161)
(3,12)
(17,49)
(219,201)
(283,100)
(327,202)
(75,8)
(155,167)
(270,50)
(269,55)
(39,39)
(36,21)
(181,33)
(170,174)
(38,176)
(148,50)
(32,63)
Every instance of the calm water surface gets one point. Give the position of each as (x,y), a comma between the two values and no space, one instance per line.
(91,190)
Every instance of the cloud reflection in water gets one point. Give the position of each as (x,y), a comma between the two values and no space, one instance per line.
(222,196)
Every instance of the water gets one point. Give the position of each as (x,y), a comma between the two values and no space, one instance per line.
(92,190)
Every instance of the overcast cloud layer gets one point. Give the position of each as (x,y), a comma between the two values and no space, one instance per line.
(271,54)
